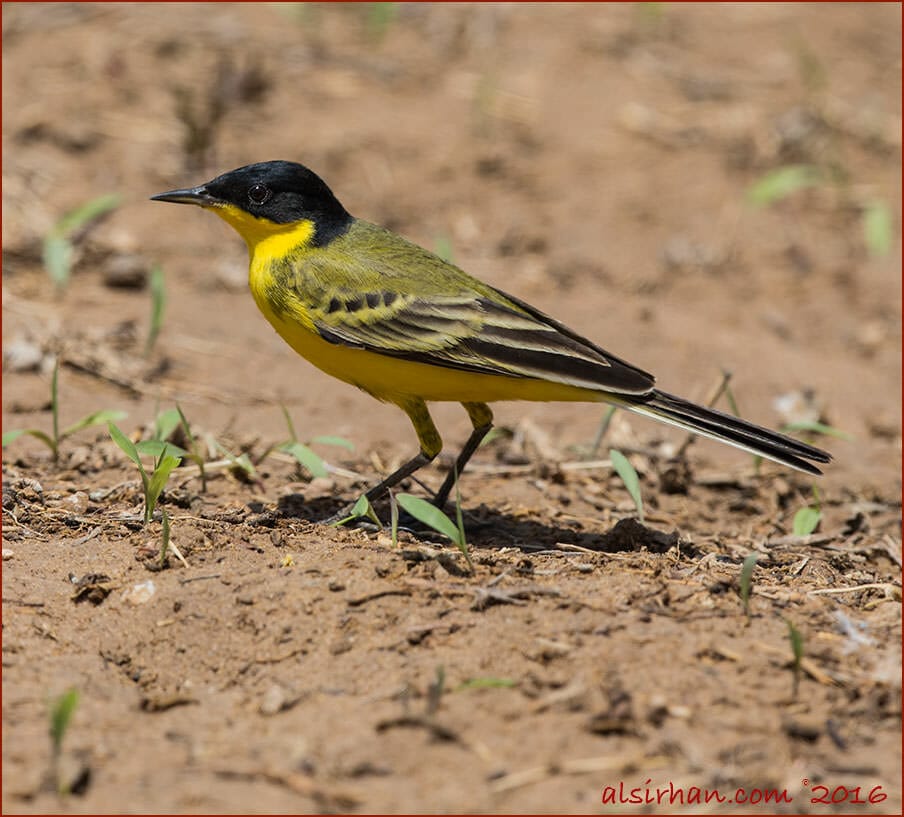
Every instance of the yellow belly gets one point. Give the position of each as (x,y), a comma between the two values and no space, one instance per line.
(395,380)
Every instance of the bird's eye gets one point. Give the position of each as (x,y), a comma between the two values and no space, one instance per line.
(258,194)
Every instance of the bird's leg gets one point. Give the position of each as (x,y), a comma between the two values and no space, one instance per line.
(482,421)
(431,445)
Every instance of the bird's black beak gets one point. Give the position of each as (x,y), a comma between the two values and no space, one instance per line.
(190,195)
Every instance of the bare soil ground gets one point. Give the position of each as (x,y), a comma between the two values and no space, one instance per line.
(590,159)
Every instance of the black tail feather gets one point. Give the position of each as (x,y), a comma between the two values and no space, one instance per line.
(729,429)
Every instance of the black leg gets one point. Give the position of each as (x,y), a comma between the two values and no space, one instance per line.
(482,420)
(431,445)
(398,475)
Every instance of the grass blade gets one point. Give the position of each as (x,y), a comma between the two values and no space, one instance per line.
(486,683)
(61,711)
(292,435)
(157,483)
(781,183)
(629,476)
(430,515)
(57,257)
(362,507)
(165,537)
(313,462)
(817,428)
(159,448)
(746,581)
(90,210)
(806,520)
(877,229)
(329,439)
(9,436)
(166,423)
(127,446)
(97,418)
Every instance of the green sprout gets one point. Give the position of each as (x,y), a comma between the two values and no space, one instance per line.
(158,303)
(164,463)
(58,243)
(53,440)
(241,465)
(629,476)
(877,228)
(807,518)
(61,711)
(194,452)
(783,182)
(486,683)
(746,582)
(443,248)
(303,454)
(431,516)
(378,18)
(815,427)
(360,509)
(601,432)
(164,537)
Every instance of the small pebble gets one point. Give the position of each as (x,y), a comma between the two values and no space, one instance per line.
(141,593)
(273,700)
(7,554)
(126,272)
(77,502)
(22,355)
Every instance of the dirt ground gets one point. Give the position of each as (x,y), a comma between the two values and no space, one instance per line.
(593,160)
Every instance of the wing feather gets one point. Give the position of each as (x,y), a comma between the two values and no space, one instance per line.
(453,321)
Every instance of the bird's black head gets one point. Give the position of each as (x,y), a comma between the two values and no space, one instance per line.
(273,193)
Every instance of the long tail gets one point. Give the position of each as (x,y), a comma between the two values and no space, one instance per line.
(727,429)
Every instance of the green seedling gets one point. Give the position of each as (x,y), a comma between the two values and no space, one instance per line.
(379,17)
(431,516)
(304,455)
(797,653)
(164,463)
(61,711)
(360,509)
(807,518)
(158,303)
(781,183)
(816,427)
(877,228)
(629,476)
(58,243)
(241,465)
(746,582)
(443,248)
(486,683)
(195,451)
(601,432)
(460,521)
(53,440)
(164,537)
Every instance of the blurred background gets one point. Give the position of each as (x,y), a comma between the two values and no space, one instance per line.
(696,188)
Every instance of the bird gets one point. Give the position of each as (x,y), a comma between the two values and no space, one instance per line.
(371,308)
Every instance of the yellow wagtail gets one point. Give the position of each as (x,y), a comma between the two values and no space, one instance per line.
(372,309)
